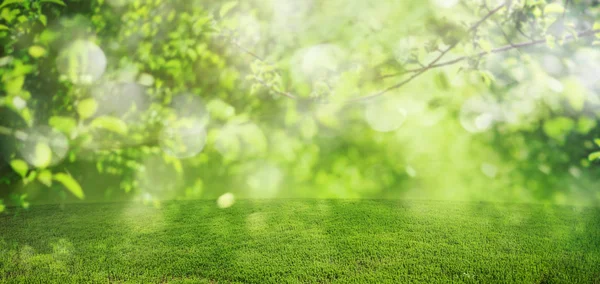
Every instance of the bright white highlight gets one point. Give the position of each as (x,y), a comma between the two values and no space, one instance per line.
(19,103)
(226,200)
(249,31)
(321,60)
(317,64)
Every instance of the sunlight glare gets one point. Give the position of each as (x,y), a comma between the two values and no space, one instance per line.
(82,62)
(226,200)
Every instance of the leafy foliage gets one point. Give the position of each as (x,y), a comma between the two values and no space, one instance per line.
(156,99)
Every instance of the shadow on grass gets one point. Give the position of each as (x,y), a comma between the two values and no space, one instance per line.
(274,241)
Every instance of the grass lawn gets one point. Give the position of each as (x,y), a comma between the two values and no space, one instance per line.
(283,241)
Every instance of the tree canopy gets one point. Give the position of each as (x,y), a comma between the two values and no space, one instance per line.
(152,100)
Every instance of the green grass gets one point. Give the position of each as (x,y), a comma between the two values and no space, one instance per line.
(285,241)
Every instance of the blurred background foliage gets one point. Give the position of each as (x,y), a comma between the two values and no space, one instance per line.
(151,100)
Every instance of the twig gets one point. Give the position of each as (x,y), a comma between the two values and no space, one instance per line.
(417,72)
(433,64)
(514,46)
(430,65)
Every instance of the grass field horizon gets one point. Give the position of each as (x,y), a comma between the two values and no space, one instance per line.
(302,240)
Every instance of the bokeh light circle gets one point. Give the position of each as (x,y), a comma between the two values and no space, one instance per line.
(478,114)
(184,139)
(44,146)
(321,63)
(385,116)
(82,62)
(124,100)
(189,106)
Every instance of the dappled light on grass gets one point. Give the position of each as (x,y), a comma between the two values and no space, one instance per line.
(303,241)
(159,141)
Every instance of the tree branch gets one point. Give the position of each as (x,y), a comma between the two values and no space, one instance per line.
(479,55)
(514,46)
(431,64)
(417,72)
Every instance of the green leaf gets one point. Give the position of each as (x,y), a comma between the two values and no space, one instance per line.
(9,2)
(2,206)
(63,123)
(3,27)
(59,2)
(594,156)
(550,41)
(146,79)
(487,77)
(37,51)
(20,167)
(585,125)
(87,108)
(220,109)
(27,116)
(43,155)
(14,85)
(308,128)
(575,93)
(553,8)
(227,7)
(31,177)
(597,141)
(558,128)
(485,45)
(45,177)
(44,20)
(111,124)
(71,184)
